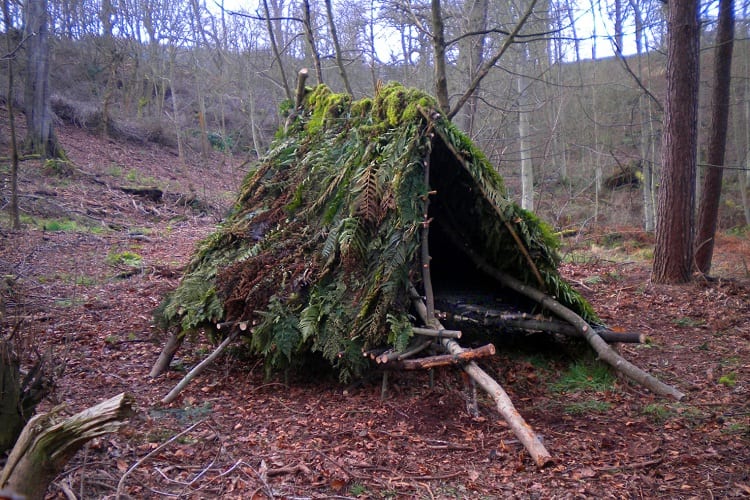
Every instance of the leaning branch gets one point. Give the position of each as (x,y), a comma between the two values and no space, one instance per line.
(199,368)
(503,404)
(605,352)
(443,359)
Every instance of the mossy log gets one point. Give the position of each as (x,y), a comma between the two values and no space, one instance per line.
(45,446)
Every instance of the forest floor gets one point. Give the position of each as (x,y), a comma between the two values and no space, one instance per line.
(92,262)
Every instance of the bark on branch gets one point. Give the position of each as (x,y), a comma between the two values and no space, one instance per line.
(199,368)
(443,359)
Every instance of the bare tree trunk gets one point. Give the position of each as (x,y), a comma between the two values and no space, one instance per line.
(708,211)
(745,176)
(40,136)
(471,56)
(175,107)
(673,255)
(15,219)
(438,44)
(310,39)
(276,53)
(524,144)
(337,48)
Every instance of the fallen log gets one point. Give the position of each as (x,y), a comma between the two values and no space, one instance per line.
(523,321)
(443,359)
(44,447)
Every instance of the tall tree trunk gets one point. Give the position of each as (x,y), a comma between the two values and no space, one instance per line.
(708,211)
(524,142)
(15,219)
(471,55)
(276,53)
(745,176)
(596,156)
(646,127)
(673,255)
(40,136)
(438,44)
(310,40)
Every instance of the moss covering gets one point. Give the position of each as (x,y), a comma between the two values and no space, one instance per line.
(323,243)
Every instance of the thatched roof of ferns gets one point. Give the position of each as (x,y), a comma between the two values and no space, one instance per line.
(323,242)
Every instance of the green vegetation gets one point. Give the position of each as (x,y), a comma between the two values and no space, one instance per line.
(728,379)
(686,322)
(585,376)
(58,168)
(358,489)
(65,303)
(115,170)
(61,225)
(737,429)
(323,242)
(658,412)
(586,407)
(136,178)
(125,259)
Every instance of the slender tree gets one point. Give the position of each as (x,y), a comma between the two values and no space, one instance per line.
(15,220)
(337,47)
(310,40)
(673,255)
(708,212)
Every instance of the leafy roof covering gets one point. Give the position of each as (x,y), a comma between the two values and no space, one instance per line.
(323,242)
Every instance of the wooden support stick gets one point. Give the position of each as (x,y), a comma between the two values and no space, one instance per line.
(503,404)
(199,368)
(300,92)
(170,348)
(429,332)
(444,359)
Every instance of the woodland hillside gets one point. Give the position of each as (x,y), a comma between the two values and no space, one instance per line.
(174,198)
(82,279)
(202,80)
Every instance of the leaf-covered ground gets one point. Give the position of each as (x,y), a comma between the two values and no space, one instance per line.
(93,261)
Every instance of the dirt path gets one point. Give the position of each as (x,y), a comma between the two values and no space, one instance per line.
(93,262)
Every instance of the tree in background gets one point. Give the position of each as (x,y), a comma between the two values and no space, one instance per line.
(708,212)
(40,136)
(673,255)
(15,220)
